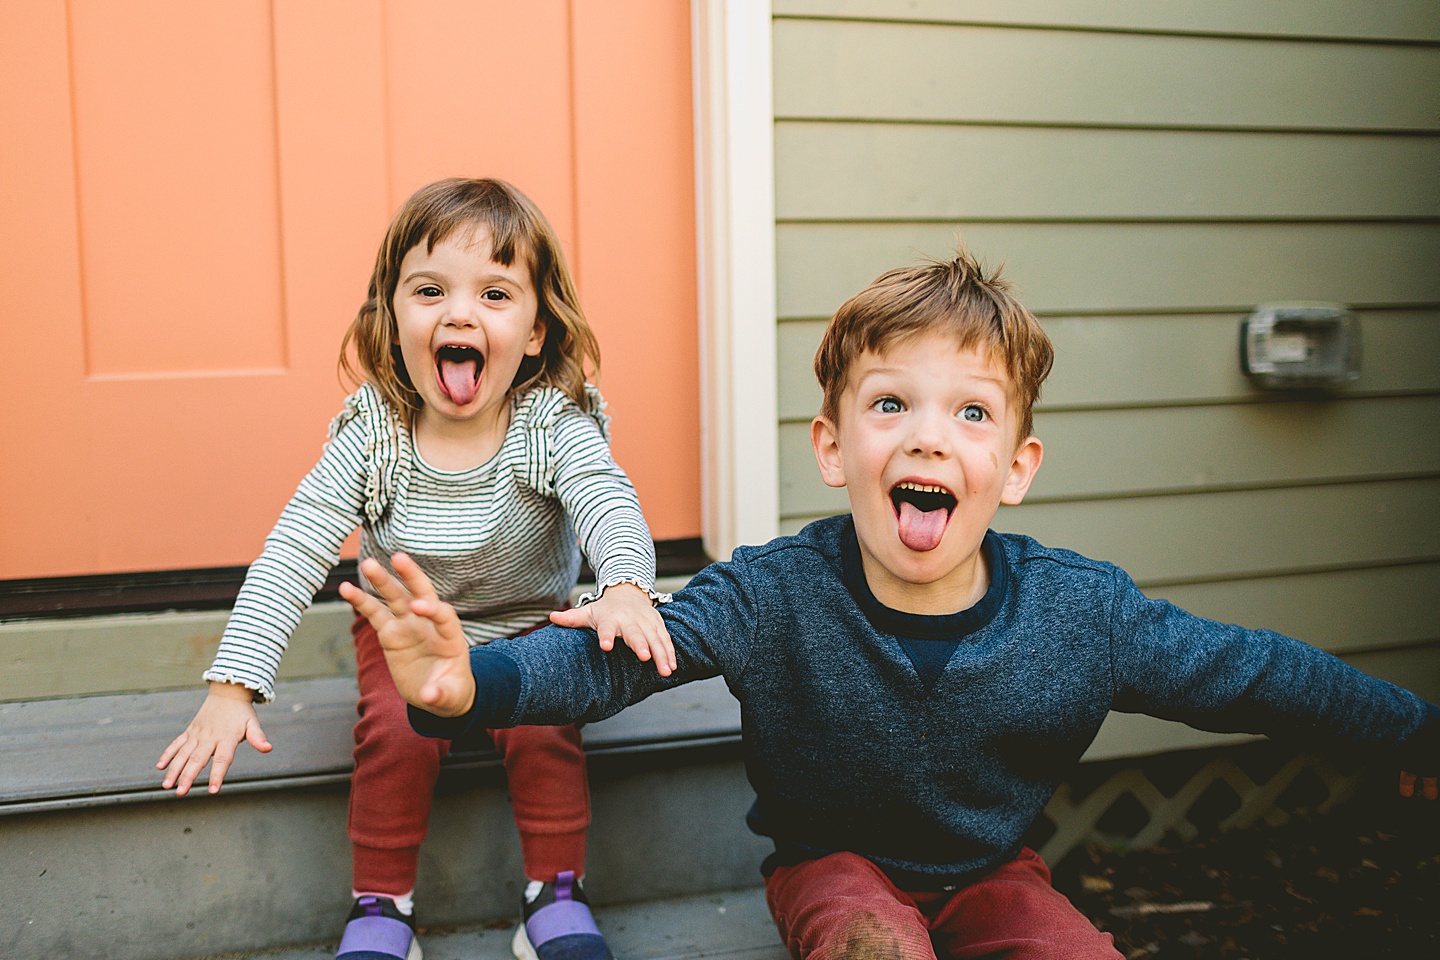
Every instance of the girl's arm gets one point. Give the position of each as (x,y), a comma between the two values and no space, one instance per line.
(602,505)
(299,553)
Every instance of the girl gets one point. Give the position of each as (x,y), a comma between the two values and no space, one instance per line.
(475,445)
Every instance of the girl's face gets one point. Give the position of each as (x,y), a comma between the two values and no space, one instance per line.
(464,324)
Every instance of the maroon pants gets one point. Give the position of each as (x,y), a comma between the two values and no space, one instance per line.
(392,788)
(844,906)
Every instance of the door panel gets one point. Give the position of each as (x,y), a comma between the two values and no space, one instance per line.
(194,195)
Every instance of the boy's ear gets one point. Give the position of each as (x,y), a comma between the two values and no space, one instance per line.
(1022,470)
(826,441)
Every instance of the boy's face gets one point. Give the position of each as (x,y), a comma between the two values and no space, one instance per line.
(926,446)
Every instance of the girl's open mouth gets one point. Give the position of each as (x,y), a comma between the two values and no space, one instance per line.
(922,511)
(458,369)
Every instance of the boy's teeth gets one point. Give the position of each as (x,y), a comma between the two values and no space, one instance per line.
(922,487)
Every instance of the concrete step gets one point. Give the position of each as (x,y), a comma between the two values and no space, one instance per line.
(97,861)
(730,924)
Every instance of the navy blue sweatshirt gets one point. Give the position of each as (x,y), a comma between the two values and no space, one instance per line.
(930,744)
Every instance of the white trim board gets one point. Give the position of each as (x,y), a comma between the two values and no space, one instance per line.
(735,223)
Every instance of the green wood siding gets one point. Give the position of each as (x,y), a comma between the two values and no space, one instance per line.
(1388,20)
(839,69)
(1148,173)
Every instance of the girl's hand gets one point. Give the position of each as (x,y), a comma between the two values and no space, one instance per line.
(225,718)
(424,644)
(624,610)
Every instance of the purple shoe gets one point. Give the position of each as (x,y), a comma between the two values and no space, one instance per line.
(558,925)
(375,930)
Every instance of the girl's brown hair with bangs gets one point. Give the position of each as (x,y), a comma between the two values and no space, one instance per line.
(517,228)
(957,297)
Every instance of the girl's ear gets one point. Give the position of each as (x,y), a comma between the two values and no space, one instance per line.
(537,337)
(825,438)
(1023,468)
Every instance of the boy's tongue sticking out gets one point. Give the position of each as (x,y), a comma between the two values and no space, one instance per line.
(922,513)
(459,369)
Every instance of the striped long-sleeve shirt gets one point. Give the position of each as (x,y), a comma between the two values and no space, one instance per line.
(499,541)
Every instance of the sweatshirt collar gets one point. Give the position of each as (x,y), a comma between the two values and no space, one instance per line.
(949,626)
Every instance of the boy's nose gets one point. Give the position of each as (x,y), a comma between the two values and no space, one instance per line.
(928,436)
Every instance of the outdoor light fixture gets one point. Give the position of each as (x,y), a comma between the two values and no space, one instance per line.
(1303,346)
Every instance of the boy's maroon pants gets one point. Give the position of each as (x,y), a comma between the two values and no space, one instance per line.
(392,788)
(843,905)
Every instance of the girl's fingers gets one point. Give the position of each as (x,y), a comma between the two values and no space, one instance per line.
(574,617)
(193,765)
(176,765)
(170,752)
(1407,783)
(224,756)
(1429,788)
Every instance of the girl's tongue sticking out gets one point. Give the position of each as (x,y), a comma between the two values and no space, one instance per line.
(459,369)
(922,512)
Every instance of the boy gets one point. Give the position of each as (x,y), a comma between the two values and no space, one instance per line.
(913,686)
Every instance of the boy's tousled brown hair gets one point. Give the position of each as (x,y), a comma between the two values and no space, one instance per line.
(517,229)
(958,297)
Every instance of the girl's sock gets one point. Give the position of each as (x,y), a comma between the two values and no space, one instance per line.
(405,902)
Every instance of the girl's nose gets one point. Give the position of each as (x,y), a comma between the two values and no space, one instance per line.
(461,312)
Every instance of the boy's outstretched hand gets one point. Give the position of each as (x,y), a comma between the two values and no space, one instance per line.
(624,610)
(424,645)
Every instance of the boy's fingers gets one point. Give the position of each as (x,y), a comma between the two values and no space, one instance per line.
(364,604)
(413,577)
(1429,789)
(391,592)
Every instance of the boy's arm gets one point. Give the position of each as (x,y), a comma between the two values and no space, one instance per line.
(420,635)
(1172,664)
(549,676)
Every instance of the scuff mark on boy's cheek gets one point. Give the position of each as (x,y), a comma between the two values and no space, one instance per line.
(994,460)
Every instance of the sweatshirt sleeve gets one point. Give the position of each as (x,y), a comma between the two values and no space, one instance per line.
(557,675)
(1178,666)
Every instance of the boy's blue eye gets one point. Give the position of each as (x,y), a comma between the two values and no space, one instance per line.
(973,412)
(888,405)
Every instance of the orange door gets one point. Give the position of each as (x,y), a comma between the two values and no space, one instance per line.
(193,197)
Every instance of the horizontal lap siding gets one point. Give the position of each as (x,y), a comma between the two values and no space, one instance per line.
(1404,20)
(1148,173)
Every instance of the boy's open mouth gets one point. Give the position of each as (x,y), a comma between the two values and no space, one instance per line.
(922,510)
(459,372)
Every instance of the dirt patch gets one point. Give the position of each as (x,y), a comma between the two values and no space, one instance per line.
(1361,881)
